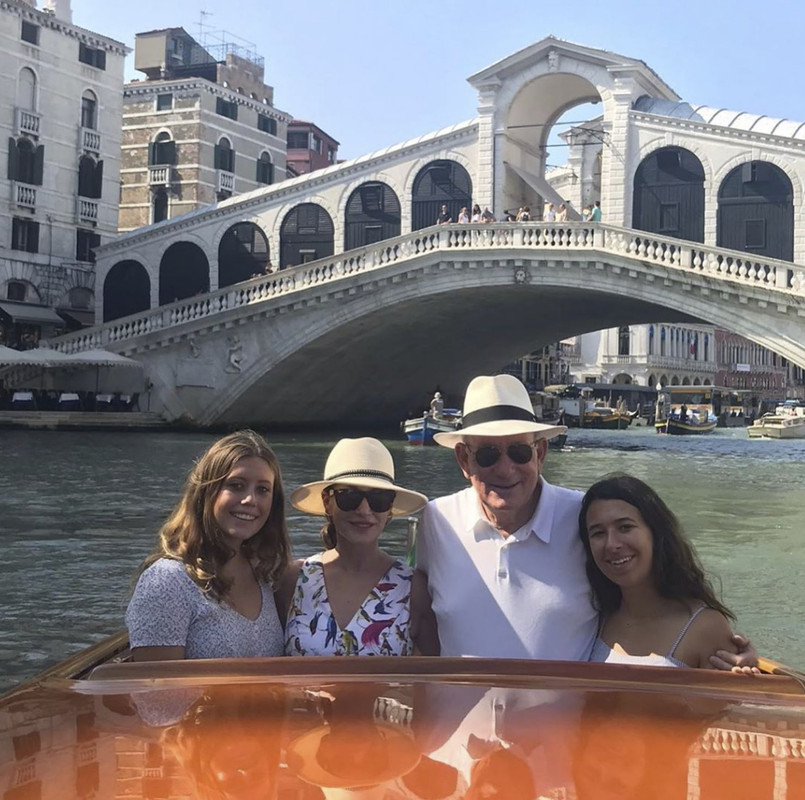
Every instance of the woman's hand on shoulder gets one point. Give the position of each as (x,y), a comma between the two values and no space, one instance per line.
(283,594)
(718,648)
(745,660)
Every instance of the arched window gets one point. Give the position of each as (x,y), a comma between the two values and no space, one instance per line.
(265,169)
(26,90)
(89,110)
(306,234)
(669,194)
(126,290)
(162,151)
(624,340)
(652,381)
(243,252)
(16,290)
(183,272)
(372,214)
(706,346)
(662,341)
(756,211)
(26,162)
(90,177)
(439,183)
(224,155)
(651,340)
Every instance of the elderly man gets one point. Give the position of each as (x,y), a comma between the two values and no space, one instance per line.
(504,560)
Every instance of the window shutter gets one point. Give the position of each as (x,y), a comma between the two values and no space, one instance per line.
(101,59)
(152,154)
(39,165)
(217,159)
(12,159)
(97,183)
(169,149)
(231,165)
(33,238)
(270,173)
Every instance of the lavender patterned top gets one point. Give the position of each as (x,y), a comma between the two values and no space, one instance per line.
(380,627)
(168,609)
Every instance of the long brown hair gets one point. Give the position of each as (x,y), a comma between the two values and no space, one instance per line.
(675,567)
(192,535)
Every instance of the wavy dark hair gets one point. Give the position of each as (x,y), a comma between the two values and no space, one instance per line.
(191,534)
(675,567)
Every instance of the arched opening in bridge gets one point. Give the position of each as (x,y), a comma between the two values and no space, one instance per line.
(306,234)
(439,183)
(552,145)
(242,253)
(126,290)
(756,211)
(183,272)
(669,194)
(372,214)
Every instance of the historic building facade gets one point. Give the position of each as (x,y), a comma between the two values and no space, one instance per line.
(309,148)
(60,112)
(199,128)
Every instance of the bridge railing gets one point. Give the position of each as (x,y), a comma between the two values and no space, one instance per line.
(644,247)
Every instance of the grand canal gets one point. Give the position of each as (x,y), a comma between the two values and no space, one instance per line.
(80,510)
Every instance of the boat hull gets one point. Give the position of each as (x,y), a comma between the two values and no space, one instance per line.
(608,422)
(675,427)
(774,430)
(422,430)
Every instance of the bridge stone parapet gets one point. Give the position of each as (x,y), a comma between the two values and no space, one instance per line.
(207,355)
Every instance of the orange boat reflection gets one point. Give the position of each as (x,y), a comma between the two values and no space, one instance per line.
(394,728)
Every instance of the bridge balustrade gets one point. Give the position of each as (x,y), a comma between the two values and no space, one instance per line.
(730,266)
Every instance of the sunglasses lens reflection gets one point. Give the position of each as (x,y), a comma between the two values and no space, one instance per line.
(488,455)
(380,500)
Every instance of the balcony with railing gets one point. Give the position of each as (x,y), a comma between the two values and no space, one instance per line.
(87,210)
(27,122)
(25,196)
(90,140)
(160,175)
(226,181)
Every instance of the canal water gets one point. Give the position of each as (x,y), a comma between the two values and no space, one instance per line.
(78,511)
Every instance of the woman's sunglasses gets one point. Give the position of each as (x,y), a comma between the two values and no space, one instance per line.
(487,455)
(348,499)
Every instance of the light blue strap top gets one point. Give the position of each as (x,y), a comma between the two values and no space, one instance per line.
(684,631)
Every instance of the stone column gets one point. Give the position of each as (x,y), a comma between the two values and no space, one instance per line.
(485,189)
(616,190)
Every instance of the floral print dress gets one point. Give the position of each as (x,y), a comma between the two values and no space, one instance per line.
(380,627)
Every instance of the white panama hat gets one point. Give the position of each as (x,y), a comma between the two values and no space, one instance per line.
(497,405)
(365,463)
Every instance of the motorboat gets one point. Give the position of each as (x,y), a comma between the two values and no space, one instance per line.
(420,430)
(786,422)
(687,410)
(395,728)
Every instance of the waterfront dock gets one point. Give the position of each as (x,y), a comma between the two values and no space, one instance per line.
(83,420)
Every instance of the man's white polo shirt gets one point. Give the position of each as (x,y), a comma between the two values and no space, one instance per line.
(525,596)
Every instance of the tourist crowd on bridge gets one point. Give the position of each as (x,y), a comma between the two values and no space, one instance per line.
(550,213)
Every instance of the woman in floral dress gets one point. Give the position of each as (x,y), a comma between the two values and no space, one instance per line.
(353,598)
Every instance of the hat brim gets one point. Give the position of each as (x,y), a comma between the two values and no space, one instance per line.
(301,754)
(497,428)
(307,498)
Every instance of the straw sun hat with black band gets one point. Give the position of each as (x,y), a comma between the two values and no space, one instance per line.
(364,463)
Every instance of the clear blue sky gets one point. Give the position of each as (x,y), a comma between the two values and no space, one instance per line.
(372,73)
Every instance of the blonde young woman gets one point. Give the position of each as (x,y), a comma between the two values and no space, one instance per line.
(353,598)
(207,590)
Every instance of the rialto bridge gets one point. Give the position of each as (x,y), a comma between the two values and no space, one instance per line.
(360,304)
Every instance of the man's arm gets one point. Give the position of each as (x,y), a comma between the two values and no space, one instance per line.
(745,660)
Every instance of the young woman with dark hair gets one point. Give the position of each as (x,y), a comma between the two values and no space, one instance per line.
(656,604)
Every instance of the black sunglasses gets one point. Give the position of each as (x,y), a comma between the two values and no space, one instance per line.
(348,499)
(486,455)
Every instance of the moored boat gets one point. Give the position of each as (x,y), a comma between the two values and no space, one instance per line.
(613,419)
(687,410)
(420,430)
(786,422)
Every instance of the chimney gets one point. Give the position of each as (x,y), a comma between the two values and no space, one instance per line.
(60,9)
